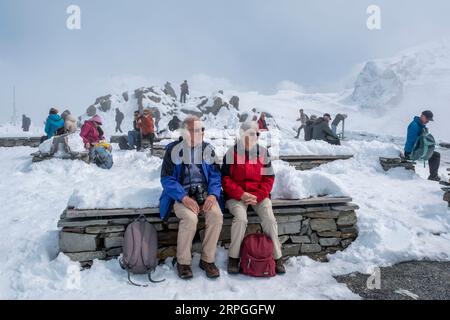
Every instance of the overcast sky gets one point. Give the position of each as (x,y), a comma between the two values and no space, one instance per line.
(241,44)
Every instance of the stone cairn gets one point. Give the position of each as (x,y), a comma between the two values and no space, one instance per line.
(389,163)
(446,190)
(20,142)
(313,227)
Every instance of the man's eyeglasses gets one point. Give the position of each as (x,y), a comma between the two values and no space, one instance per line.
(198,130)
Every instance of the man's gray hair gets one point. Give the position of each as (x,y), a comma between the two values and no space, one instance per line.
(188,120)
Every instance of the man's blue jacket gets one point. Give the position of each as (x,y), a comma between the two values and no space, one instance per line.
(172,172)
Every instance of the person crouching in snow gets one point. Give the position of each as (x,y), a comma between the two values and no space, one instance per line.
(191,184)
(91,132)
(247,179)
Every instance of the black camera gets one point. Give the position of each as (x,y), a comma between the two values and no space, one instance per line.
(197,192)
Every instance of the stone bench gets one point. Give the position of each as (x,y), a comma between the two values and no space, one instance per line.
(20,141)
(314,227)
(446,190)
(390,163)
(308,162)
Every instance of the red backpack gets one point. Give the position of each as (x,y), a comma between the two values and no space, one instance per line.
(257,256)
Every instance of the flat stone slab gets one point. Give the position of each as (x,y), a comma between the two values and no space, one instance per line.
(321,225)
(77,242)
(294,158)
(86,256)
(19,141)
(279,206)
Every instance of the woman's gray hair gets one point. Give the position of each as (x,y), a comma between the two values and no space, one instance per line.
(249,125)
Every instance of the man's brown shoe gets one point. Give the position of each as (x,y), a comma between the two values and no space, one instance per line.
(210,269)
(279,267)
(184,271)
(233,265)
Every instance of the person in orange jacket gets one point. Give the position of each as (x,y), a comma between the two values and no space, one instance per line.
(147,126)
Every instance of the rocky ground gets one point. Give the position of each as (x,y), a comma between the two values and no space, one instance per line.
(415,280)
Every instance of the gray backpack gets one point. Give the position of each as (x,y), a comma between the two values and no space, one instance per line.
(140,249)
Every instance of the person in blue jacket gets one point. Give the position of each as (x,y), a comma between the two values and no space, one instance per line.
(414,131)
(191,181)
(53,123)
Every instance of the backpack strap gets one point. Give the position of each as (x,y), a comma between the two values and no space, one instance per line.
(134,283)
(154,281)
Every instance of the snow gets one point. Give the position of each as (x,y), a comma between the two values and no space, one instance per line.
(11,130)
(133,182)
(401,217)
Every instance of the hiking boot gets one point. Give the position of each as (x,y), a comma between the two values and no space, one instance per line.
(434,178)
(184,271)
(233,265)
(210,269)
(279,267)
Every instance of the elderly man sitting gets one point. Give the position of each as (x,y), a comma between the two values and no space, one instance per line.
(191,183)
(247,180)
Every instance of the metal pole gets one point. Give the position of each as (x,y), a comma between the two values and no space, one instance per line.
(14,115)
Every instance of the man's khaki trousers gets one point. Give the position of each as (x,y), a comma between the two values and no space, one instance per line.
(188,227)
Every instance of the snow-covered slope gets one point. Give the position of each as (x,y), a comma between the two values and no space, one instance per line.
(401,217)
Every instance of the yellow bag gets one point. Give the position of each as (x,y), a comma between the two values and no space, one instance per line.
(103,144)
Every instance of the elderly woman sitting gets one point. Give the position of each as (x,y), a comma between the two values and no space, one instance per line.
(247,179)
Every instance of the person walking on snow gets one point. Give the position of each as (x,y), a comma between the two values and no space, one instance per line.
(303,118)
(184,91)
(339,117)
(26,122)
(119,119)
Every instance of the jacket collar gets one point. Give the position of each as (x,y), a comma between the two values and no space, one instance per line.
(417,120)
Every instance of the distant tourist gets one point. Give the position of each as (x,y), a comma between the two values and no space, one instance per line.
(65,114)
(415,129)
(184,91)
(146,124)
(322,131)
(134,136)
(262,122)
(92,132)
(54,125)
(174,123)
(303,118)
(309,128)
(70,124)
(119,119)
(26,123)
(339,117)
